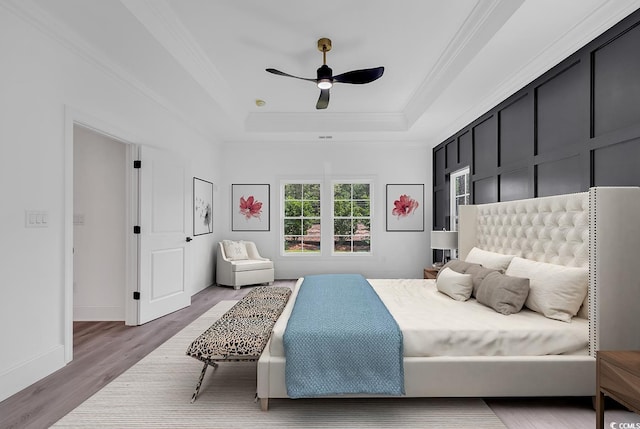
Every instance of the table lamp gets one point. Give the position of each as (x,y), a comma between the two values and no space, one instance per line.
(443,240)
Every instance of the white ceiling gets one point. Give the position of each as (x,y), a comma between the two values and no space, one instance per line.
(446,62)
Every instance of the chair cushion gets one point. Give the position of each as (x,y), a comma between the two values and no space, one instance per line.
(251,265)
(235,250)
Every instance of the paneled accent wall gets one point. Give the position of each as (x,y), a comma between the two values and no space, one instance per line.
(576,126)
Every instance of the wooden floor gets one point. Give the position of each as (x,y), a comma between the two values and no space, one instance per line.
(104,350)
(101,352)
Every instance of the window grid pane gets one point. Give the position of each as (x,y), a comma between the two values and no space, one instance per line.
(352,218)
(459,196)
(301,220)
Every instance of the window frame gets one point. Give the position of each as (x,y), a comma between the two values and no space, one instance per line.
(453,199)
(283,184)
(331,233)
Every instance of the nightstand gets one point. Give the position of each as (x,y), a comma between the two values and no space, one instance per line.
(431,273)
(617,376)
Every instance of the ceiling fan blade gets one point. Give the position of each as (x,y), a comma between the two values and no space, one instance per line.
(279,73)
(360,76)
(323,101)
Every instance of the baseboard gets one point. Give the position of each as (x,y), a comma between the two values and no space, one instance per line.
(28,372)
(98,314)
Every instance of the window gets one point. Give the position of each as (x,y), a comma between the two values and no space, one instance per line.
(351,218)
(460,194)
(301,217)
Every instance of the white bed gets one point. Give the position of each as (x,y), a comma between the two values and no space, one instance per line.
(433,324)
(529,355)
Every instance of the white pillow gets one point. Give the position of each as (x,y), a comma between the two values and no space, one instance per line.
(555,290)
(493,260)
(235,250)
(457,286)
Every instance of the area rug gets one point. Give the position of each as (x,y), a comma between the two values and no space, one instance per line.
(156,393)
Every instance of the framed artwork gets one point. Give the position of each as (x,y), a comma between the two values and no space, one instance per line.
(202,207)
(405,207)
(250,207)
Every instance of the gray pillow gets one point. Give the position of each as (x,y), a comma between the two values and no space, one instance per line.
(458,266)
(505,294)
(478,273)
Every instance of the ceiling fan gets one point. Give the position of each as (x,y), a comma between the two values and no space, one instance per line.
(325,79)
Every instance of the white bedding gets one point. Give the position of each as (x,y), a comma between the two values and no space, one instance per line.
(433,324)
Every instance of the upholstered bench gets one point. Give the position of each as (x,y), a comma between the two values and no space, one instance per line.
(241,334)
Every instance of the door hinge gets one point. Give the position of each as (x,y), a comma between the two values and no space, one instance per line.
(136,295)
(136,229)
(137,163)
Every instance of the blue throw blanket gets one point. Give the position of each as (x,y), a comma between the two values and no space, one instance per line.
(341,339)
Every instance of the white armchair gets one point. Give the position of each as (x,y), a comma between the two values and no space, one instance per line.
(240,264)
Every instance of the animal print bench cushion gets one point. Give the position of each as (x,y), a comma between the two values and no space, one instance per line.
(267,310)
(232,337)
(263,301)
(244,330)
(269,292)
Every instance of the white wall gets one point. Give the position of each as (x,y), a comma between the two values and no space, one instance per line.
(99,240)
(395,254)
(41,78)
(41,82)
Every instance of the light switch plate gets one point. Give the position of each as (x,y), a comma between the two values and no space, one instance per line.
(36,218)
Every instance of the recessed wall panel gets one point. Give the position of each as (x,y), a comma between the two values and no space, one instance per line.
(485,147)
(485,190)
(464,149)
(439,209)
(563,176)
(616,87)
(439,165)
(617,165)
(516,131)
(514,185)
(166,280)
(562,109)
(451,154)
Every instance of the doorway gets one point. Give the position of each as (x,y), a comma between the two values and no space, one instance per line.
(141,289)
(99,226)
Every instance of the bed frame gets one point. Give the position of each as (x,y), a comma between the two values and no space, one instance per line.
(598,229)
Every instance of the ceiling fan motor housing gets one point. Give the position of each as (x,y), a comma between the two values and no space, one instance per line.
(325,72)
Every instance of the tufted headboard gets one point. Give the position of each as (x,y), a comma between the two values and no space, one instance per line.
(550,229)
(599,229)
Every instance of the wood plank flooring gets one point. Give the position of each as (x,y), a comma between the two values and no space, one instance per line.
(104,350)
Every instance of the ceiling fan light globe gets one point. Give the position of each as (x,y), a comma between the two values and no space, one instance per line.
(325,84)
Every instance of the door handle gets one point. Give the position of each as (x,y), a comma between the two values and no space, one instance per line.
(189,239)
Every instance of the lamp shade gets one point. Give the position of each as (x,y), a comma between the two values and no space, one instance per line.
(444,239)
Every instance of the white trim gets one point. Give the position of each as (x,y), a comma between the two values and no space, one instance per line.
(353,181)
(482,23)
(74,116)
(282,184)
(275,122)
(30,371)
(34,15)
(98,313)
(452,195)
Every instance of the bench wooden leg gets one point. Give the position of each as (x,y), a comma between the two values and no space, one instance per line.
(202,373)
(264,404)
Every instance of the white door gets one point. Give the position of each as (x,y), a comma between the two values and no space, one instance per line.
(163,239)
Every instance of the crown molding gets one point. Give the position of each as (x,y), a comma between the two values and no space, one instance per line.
(161,21)
(325,122)
(484,20)
(593,25)
(33,15)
